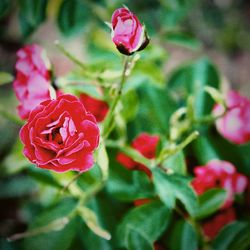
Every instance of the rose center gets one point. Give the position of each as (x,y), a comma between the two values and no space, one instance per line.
(59,131)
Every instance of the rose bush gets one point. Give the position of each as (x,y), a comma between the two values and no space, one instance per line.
(60,135)
(128,33)
(33,78)
(235,124)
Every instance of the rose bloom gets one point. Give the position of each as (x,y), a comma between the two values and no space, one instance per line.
(146,145)
(128,33)
(32,81)
(235,124)
(97,107)
(220,174)
(60,135)
(212,227)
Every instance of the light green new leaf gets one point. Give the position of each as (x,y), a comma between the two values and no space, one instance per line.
(5,78)
(91,221)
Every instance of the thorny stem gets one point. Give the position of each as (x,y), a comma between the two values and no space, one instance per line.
(107,126)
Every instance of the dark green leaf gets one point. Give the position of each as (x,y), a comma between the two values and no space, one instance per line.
(183,236)
(155,108)
(137,241)
(32,14)
(5,6)
(55,240)
(149,220)
(191,80)
(210,201)
(73,16)
(172,187)
(229,234)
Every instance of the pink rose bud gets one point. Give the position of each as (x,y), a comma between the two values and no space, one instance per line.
(146,145)
(128,33)
(219,174)
(60,135)
(235,124)
(32,81)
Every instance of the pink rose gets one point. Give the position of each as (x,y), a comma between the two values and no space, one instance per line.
(235,124)
(221,174)
(60,135)
(212,227)
(128,33)
(97,107)
(32,81)
(145,144)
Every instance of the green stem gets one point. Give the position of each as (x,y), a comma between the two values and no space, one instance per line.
(107,126)
(173,149)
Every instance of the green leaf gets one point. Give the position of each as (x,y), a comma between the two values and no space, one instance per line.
(137,241)
(103,160)
(5,6)
(155,109)
(73,16)
(172,187)
(5,78)
(54,240)
(183,235)
(43,176)
(183,39)
(191,79)
(31,14)
(229,234)
(149,220)
(210,201)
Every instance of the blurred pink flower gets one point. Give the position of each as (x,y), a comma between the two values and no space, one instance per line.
(221,174)
(235,124)
(32,81)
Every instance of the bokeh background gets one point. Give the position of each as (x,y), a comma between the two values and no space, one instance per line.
(186,29)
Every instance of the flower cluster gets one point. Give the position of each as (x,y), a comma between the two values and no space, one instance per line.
(32,80)
(235,124)
(220,174)
(146,145)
